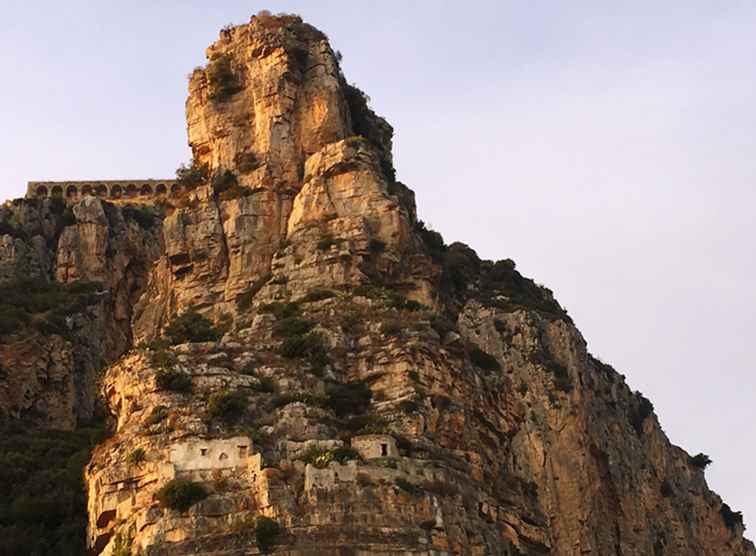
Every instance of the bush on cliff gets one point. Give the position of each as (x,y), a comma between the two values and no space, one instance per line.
(702,461)
(42,498)
(191,326)
(221,79)
(189,177)
(350,398)
(43,305)
(180,494)
(484,360)
(267,532)
(173,381)
(227,406)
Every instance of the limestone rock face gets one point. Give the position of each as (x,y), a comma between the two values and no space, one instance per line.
(344,374)
(49,379)
(271,92)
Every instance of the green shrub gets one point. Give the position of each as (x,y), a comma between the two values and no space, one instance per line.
(43,305)
(310,347)
(702,461)
(136,456)
(343,454)
(484,360)
(434,241)
(191,326)
(145,217)
(280,310)
(267,532)
(180,494)
(163,359)
(410,488)
(189,177)
(292,326)
(264,385)
(173,381)
(158,414)
(733,520)
(43,507)
(318,294)
(223,180)
(227,406)
(123,545)
(222,82)
(347,399)
(326,243)
(638,414)
(317,457)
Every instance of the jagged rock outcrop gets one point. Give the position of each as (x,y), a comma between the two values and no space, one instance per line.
(374,391)
(309,370)
(50,372)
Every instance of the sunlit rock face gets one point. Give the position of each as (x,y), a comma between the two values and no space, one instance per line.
(287,341)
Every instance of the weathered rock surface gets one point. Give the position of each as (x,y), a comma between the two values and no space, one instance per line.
(50,379)
(366,387)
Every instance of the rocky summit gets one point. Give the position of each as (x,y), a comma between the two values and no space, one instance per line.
(288,361)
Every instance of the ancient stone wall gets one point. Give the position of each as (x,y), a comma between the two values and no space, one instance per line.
(108,189)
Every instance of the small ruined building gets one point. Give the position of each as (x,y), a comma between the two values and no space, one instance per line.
(112,190)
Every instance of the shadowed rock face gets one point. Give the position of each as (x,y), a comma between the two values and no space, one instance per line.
(373,391)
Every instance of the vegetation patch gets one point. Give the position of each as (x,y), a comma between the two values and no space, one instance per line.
(191,176)
(180,494)
(267,532)
(702,461)
(280,310)
(318,294)
(191,326)
(326,243)
(221,79)
(352,398)
(410,488)
(136,456)
(42,498)
(484,360)
(145,217)
(173,381)
(733,520)
(157,415)
(292,326)
(643,408)
(43,306)
(227,406)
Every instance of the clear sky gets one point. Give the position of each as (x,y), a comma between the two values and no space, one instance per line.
(609,148)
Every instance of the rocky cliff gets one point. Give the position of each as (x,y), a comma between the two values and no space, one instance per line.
(301,367)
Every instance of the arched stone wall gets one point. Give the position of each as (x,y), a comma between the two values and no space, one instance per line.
(111,189)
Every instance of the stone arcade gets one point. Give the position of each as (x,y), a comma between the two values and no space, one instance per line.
(104,189)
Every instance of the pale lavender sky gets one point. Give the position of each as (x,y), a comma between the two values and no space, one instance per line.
(607,147)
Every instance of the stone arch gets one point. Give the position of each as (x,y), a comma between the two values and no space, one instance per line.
(132,191)
(116,191)
(101,191)
(146,190)
(86,190)
(57,191)
(175,189)
(41,191)
(72,191)
(160,189)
